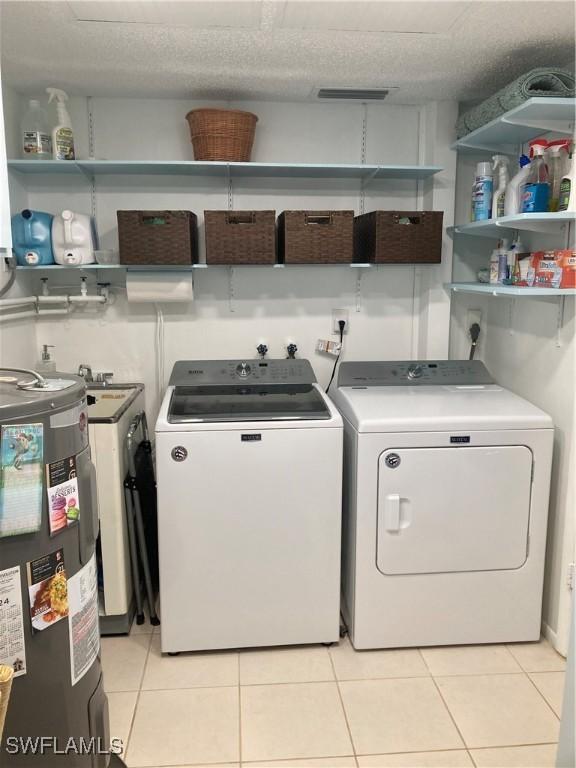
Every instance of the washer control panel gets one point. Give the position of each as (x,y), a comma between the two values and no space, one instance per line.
(190,373)
(409,373)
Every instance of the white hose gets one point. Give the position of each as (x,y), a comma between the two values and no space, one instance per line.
(21,301)
(52,299)
(16,315)
(85,299)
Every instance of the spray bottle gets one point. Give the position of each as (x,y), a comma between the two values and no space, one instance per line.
(62,135)
(567,200)
(512,198)
(536,190)
(482,192)
(500,166)
(557,157)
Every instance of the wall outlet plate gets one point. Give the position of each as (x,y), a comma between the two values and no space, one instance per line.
(337,315)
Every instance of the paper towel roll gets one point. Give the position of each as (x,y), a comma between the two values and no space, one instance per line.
(156,286)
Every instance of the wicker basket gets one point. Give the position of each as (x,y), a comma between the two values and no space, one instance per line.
(240,237)
(316,237)
(398,237)
(157,237)
(222,134)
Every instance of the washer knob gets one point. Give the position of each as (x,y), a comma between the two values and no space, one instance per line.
(243,370)
(415,371)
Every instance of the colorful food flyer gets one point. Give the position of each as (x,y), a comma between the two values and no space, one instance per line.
(12,644)
(48,590)
(63,495)
(21,481)
(83,620)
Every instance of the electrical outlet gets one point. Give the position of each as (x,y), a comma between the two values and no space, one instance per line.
(337,315)
(473,316)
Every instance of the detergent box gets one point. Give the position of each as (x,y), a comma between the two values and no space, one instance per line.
(567,260)
(547,269)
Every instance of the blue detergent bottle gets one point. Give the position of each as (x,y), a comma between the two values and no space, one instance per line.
(536,191)
(32,238)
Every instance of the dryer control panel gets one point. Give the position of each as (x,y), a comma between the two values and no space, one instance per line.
(190,373)
(408,373)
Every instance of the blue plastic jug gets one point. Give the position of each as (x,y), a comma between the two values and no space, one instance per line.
(32,238)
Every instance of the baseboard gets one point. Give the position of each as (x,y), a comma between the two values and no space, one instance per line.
(552,638)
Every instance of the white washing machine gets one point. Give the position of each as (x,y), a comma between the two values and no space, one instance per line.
(249,472)
(446,486)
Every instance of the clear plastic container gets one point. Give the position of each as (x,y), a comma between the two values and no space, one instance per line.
(36,140)
(107,258)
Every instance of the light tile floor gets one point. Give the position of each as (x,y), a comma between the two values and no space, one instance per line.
(486,706)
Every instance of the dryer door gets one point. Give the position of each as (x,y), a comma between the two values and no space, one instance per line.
(453,509)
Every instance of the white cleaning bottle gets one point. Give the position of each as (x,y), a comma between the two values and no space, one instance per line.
(73,239)
(567,200)
(482,192)
(62,134)
(500,167)
(36,143)
(512,199)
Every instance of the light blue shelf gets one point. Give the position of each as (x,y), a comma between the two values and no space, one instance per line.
(222,170)
(548,223)
(45,167)
(531,119)
(188,267)
(508,290)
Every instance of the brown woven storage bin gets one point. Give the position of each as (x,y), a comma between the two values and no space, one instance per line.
(240,237)
(157,237)
(222,134)
(316,237)
(398,237)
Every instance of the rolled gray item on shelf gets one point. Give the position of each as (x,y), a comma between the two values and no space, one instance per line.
(540,82)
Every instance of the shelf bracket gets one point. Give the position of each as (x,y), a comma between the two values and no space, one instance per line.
(560,321)
(362,203)
(231,295)
(511,314)
(358,290)
(229,188)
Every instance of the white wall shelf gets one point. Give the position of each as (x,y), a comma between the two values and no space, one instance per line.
(517,126)
(508,290)
(93,168)
(547,223)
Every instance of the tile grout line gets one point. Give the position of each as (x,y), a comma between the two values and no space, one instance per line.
(550,707)
(328,651)
(471,756)
(239,715)
(458,731)
(125,753)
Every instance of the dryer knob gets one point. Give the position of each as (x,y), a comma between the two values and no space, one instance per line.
(415,371)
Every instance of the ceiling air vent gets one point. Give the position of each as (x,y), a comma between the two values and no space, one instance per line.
(358,94)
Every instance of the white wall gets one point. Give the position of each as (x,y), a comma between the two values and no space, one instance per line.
(529,346)
(236,309)
(17,338)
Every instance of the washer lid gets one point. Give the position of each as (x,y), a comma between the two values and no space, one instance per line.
(247,403)
(436,408)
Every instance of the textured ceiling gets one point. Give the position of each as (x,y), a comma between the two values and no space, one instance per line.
(237,49)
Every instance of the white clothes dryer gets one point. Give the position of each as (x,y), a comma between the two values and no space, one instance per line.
(446,485)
